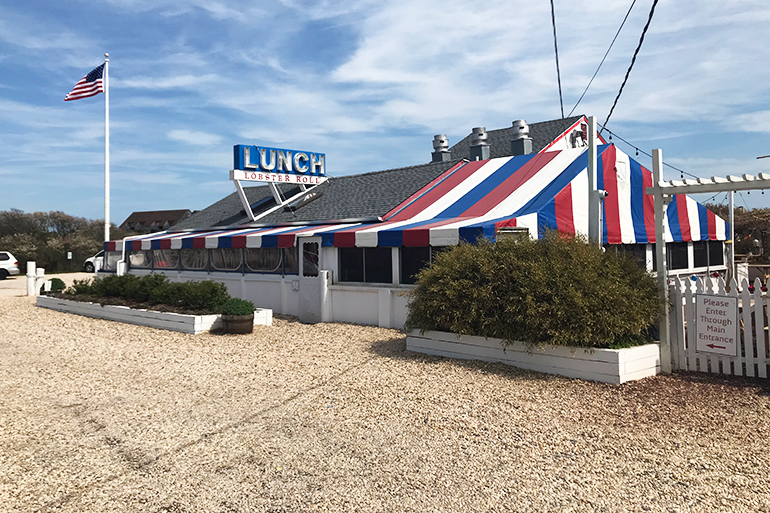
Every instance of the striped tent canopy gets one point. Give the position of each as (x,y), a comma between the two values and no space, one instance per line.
(540,192)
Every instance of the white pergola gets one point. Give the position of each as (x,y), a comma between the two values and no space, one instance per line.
(663,192)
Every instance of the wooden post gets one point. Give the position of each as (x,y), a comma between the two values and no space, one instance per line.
(660,251)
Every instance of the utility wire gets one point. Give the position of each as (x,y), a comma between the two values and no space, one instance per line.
(603,59)
(556,51)
(613,134)
(633,60)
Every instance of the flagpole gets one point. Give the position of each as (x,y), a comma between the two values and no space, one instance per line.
(106,148)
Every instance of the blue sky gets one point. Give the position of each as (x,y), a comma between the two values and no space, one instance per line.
(368,83)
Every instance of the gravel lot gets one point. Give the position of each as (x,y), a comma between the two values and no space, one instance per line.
(99,416)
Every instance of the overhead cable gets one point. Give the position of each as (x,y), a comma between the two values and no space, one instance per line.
(556,51)
(633,60)
(603,58)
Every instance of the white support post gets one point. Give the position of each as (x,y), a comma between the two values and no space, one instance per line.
(731,235)
(594,201)
(660,252)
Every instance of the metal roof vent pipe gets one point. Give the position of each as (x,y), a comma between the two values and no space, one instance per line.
(441,149)
(521,144)
(479,144)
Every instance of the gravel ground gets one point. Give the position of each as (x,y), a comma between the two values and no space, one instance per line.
(99,416)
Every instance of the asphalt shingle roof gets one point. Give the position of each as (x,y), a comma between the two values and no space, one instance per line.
(362,196)
(542,134)
(367,195)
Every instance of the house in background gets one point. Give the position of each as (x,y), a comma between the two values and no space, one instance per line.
(154,221)
(348,249)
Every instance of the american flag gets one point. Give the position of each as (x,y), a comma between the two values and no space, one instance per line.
(90,85)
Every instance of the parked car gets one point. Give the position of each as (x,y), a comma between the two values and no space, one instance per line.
(90,263)
(9,266)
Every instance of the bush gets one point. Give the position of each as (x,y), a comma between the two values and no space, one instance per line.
(557,290)
(237,306)
(155,289)
(57,285)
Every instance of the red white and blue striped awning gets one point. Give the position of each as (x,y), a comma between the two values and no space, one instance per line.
(540,192)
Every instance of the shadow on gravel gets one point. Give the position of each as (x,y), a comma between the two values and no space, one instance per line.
(761,385)
(395,348)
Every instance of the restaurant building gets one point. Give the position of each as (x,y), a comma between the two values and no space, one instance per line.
(347,248)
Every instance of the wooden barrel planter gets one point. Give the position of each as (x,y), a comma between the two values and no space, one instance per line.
(238,324)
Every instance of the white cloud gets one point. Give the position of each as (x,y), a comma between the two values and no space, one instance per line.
(195,138)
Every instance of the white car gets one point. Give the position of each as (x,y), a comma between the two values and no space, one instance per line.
(91,262)
(9,266)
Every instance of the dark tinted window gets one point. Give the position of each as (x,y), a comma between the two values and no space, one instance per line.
(412,262)
(716,252)
(4,256)
(700,253)
(351,264)
(677,255)
(378,265)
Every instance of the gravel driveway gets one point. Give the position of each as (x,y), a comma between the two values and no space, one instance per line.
(97,416)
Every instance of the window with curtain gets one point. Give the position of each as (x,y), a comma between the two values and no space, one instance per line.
(140,259)
(193,259)
(226,259)
(264,260)
(165,258)
(111,260)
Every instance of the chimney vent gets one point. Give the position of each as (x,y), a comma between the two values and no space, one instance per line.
(441,149)
(479,144)
(521,143)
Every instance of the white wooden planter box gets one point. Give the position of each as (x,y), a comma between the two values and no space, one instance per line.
(604,365)
(194,324)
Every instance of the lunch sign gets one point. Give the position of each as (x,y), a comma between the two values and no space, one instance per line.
(260,164)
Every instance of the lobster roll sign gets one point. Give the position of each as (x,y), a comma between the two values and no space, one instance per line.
(260,164)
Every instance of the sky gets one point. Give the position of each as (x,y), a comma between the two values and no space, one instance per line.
(367,83)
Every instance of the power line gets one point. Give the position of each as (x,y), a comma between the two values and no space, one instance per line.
(644,152)
(603,58)
(556,51)
(633,60)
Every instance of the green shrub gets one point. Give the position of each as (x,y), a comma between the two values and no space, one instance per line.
(57,285)
(156,289)
(80,288)
(237,306)
(557,290)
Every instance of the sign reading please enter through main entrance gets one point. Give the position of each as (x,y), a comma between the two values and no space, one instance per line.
(716,321)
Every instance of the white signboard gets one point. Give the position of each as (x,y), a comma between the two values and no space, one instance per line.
(258,176)
(716,321)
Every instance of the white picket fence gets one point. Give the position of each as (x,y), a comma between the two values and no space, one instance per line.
(752,355)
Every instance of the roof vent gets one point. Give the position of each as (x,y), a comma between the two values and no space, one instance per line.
(441,149)
(521,143)
(479,144)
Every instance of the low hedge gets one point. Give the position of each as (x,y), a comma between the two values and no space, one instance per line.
(154,289)
(557,290)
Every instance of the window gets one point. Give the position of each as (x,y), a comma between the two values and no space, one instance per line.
(140,259)
(264,260)
(310,259)
(193,259)
(716,252)
(367,265)
(226,259)
(4,256)
(165,258)
(413,260)
(291,260)
(700,253)
(636,251)
(111,262)
(677,255)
